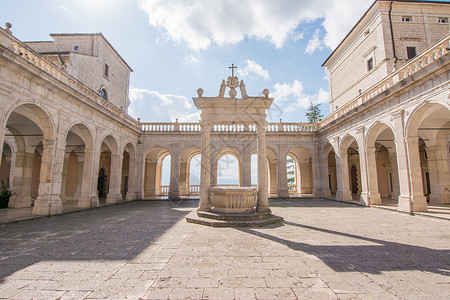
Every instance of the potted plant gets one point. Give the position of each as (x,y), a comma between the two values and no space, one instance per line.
(5,193)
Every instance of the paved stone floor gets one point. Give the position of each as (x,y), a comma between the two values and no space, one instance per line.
(323,250)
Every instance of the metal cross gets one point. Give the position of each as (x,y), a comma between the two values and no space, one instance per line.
(232,69)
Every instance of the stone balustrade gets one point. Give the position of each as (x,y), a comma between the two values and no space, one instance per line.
(10,42)
(233,199)
(169,127)
(194,189)
(383,86)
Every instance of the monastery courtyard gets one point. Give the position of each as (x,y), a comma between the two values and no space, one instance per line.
(146,249)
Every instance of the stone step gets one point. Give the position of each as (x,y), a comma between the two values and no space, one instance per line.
(271,219)
(233,216)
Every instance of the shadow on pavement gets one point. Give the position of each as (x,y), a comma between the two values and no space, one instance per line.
(117,232)
(374,259)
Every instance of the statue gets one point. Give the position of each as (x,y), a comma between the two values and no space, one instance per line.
(243,90)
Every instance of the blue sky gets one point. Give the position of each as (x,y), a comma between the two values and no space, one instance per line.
(178,46)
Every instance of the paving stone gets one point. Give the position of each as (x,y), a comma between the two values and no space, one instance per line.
(323,250)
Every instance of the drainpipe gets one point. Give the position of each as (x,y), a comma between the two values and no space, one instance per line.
(392,34)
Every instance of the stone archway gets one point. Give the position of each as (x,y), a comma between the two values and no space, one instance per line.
(152,169)
(349,157)
(427,133)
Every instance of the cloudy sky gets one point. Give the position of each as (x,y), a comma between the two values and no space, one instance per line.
(178,46)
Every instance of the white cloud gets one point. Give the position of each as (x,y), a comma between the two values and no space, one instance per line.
(201,24)
(314,43)
(253,67)
(152,105)
(340,17)
(292,96)
(62,7)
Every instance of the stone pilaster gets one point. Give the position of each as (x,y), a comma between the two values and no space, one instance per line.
(263,194)
(345,184)
(132,181)
(205,176)
(418,200)
(23,171)
(114,194)
(88,197)
(174,190)
(374,194)
(49,202)
(246,173)
(283,191)
(439,174)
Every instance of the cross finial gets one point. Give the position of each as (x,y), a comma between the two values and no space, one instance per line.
(232,69)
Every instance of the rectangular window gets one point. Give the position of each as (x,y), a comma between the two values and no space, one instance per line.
(407,19)
(411,52)
(106,71)
(370,64)
(443,20)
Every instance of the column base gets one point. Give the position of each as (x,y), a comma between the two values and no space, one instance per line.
(420,204)
(404,204)
(364,199)
(88,202)
(19,201)
(326,193)
(174,195)
(47,205)
(339,196)
(347,196)
(204,208)
(263,209)
(130,196)
(283,194)
(374,198)
(113,198)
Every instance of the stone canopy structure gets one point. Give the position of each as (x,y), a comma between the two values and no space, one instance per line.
(68,140)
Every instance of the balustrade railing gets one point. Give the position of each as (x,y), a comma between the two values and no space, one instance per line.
(10,42)
(410,68)
(228,185)
(194,189)
(161,127)
(292,187)
(165,189)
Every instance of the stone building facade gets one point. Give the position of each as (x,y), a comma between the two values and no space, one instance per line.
(67,138)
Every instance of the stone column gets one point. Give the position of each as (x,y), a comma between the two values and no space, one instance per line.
(273,177)
(409,173)
(339,191)
(64,177)
(213,167)
(346,192)
(184,173)
(283,191)
(132,181)
(394,174)
(22,180)
(372,172)
(174,191)
(317,183)
(326,188)
(114,194)
(363,169)
(246,169)
(79,178)
(263,194)
(205,176)
(49,202)
(419,201)
(149,178)
(304,186)
(439,174)
(88,197)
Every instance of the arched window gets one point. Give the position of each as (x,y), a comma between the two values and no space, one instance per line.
(103,93)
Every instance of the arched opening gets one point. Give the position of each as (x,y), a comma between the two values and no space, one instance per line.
(5,167)
(102,183)
(194,174)
(383,181)
(165,175)
(292,173)
(154,185)
(300,171)
(351,177)
(27,127)
(428,130)
(124,182)
(354,180)
(228,171)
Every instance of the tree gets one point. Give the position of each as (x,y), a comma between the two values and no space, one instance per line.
(290,170)
(313,114)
